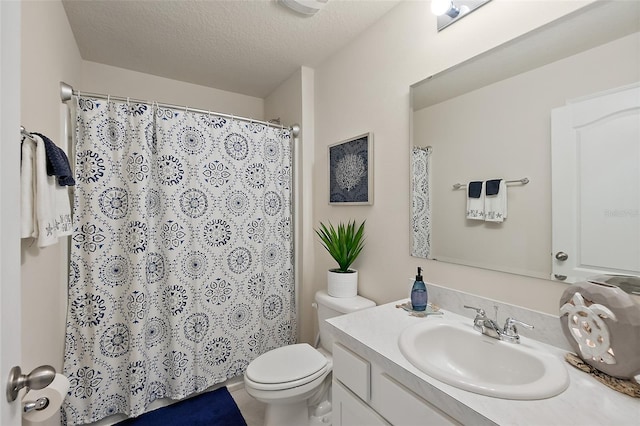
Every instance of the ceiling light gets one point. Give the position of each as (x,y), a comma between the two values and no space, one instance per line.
(450,11)
(305,7)
(444,7)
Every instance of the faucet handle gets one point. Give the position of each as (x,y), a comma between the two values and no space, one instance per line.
(510,326)
(479,311)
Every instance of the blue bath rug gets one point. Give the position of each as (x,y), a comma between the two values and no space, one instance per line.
(215,408)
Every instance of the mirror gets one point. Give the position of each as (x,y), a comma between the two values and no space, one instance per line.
(490,118)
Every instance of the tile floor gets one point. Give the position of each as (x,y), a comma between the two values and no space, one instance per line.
(251,409)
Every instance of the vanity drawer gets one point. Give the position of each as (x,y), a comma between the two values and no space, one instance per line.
(400,406)
(352,370)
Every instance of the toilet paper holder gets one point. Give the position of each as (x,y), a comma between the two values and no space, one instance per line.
(39,378)
(38,404)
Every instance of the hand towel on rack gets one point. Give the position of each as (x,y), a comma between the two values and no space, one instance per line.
(495,200)
(475,200)
(52,206)
(27,190)
(57,162)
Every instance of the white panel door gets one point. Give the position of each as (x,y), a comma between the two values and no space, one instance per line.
(596,185)
(9,202)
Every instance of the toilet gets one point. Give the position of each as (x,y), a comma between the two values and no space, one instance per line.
(294,381)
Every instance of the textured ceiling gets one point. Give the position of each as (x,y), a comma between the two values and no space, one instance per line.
(243,46)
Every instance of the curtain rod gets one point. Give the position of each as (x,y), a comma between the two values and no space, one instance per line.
(67,92)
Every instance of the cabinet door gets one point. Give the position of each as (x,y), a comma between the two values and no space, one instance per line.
(349,410)
(401,406)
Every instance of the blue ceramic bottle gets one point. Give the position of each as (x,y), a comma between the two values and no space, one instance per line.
(419,295)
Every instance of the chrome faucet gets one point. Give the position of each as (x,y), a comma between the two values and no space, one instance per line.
(489,327)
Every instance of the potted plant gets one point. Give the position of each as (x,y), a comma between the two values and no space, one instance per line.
(344,244)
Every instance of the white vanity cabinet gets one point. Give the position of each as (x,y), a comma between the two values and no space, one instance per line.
(364,394)
(374,384)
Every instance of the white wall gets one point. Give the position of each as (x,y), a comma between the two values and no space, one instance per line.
(293,103)
(49,55)
(365,87)
(105,79)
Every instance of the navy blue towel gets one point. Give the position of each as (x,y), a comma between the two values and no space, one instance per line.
(475,189)
(57,162)
(492,186)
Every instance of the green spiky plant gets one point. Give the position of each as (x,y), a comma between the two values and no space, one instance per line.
(344,244)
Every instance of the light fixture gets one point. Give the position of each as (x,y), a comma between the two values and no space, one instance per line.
(444,7)
(450,11)
(304,7)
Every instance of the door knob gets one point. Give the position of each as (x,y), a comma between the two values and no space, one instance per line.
(39,378)
(562,256)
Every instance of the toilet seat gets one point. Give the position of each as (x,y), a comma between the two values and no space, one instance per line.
(286,367)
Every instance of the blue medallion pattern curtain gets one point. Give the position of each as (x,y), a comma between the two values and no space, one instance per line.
(181,267)
(420,202)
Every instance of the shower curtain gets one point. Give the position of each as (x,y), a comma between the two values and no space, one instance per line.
(181,267)
(420,202)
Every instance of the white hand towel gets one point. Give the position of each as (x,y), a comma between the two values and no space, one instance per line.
(495,206)
(52,206)
(27,190)
(475,206)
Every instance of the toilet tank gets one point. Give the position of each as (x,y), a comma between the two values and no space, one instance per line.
(329,307)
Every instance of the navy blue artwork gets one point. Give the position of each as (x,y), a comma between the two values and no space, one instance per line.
(350,171)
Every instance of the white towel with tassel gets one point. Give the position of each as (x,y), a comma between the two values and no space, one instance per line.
(495,206)
(475,205)
(46,209)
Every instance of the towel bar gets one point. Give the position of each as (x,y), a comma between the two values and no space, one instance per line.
(24,133)
(523,181)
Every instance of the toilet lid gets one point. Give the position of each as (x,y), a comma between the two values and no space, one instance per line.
(286,364)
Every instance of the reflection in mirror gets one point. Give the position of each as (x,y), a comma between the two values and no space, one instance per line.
(595,152)
(450,11)
(420,203)
(490,118)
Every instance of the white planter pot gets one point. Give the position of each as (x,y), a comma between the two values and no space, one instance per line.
(342,284)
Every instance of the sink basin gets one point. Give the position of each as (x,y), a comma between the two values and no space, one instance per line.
(454,353)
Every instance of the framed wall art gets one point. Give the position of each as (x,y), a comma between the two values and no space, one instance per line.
(351,171)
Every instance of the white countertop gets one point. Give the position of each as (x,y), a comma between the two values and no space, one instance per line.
(373,334)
